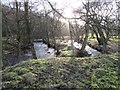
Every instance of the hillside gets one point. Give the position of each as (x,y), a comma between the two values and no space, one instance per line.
(64,72)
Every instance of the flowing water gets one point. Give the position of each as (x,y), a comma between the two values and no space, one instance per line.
(89,50)
(42,50)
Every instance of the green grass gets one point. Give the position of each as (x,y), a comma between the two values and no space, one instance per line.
(64,72)
(115,38)
(66,53)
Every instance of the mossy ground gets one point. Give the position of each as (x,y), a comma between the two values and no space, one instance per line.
(64,72)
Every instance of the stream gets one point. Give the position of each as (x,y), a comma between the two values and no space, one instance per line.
(42,50)
(89,50)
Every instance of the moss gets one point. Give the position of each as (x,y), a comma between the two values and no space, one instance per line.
(67,53)
(11,84)
(64,72)
(21,70)
(29,77)
(10,75)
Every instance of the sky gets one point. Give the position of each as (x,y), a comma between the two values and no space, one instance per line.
(66,5)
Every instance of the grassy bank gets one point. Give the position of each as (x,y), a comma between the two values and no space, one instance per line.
(97,72)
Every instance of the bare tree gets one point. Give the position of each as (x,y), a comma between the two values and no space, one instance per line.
(46,23)
(28,29)
(18,29)
(101,22)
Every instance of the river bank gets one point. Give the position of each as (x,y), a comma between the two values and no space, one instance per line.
(64,72)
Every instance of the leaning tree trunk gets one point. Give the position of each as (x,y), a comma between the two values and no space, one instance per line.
(85,39)
(103,40)
(96,33)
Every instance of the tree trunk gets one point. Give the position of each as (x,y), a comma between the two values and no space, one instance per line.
(86,28)
(28,29)
(18,30)
(98,39)
(71,38)
(46,29)
(103,40)
(1,64)
(85,39)
(92,35)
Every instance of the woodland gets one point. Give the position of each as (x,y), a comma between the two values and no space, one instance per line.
(44,49)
